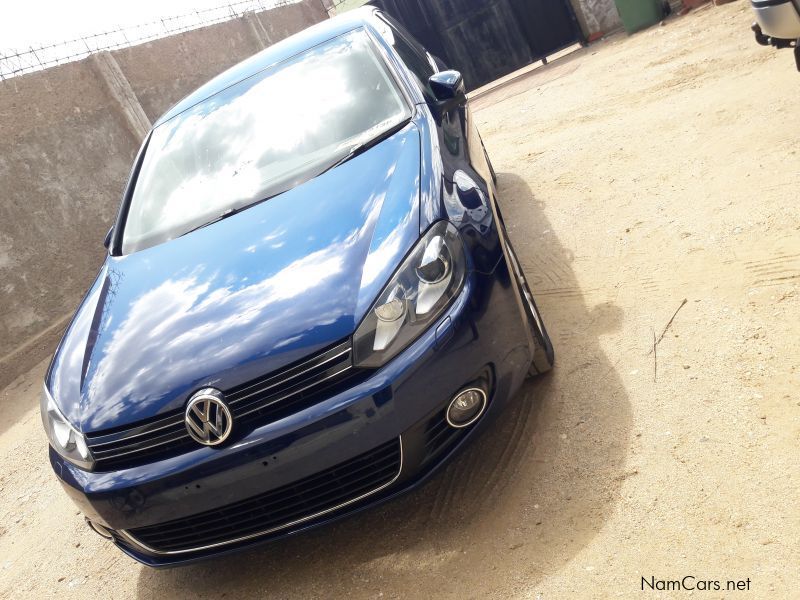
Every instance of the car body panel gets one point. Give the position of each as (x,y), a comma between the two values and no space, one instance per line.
(779,19)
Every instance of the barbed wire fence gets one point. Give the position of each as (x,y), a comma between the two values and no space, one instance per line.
(16,62)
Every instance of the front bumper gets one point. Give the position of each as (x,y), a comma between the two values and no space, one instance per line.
(480,338)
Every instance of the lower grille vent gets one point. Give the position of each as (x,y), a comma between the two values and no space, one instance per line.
(278,509)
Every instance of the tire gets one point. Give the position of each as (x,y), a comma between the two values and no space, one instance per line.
(543,353)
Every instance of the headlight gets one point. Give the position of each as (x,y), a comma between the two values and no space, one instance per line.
(429,278)
(64,438)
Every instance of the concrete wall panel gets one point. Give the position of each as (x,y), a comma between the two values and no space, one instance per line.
(283,22)
(64,155)
(164,71)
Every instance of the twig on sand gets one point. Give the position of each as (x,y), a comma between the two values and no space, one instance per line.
(655,357)
(668,325)
(657,341)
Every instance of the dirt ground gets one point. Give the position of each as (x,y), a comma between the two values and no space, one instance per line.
(634,174)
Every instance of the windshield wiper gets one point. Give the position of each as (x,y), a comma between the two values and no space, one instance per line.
(227,214)
(233,211)
(364,146)
(352,153)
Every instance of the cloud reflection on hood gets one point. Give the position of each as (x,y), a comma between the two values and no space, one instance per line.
(175,315)
(242,298)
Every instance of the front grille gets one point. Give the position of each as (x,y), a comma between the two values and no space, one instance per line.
(253,404)
(278,509)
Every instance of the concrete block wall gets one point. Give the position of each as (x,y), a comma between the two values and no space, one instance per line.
(68,137)
(161,72)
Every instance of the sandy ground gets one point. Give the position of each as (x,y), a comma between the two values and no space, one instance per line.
(635,174)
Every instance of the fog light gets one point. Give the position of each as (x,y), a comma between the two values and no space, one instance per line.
(466,408)
(100,530)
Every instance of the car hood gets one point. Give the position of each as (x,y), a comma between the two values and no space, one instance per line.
(240,298)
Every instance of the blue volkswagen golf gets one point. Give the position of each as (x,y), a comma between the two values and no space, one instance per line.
(309,303)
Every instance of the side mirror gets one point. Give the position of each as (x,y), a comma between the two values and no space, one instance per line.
(449,89)
(107,241)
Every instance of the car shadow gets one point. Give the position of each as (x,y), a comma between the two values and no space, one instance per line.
(515,507)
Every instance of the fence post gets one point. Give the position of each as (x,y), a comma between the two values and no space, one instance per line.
(121,91)
(259,33)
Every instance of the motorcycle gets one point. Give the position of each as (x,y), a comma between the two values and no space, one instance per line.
(778,24)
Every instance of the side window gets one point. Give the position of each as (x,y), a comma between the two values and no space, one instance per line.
(417,61)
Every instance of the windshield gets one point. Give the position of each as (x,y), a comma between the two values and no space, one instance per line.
(261,137)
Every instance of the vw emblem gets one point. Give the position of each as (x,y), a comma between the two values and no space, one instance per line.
(208,418)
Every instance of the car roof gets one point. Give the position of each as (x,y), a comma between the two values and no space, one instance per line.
(278,52)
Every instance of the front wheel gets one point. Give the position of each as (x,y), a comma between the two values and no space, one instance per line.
(543,353)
